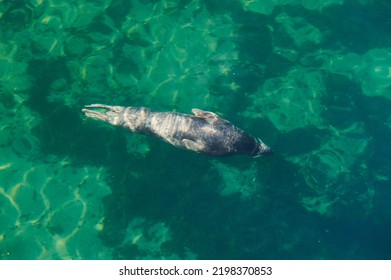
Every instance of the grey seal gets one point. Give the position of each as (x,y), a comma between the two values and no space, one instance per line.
(203,132)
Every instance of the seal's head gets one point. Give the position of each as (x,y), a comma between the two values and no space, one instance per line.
(261,149)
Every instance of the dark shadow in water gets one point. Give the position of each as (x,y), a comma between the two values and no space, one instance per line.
(359,28)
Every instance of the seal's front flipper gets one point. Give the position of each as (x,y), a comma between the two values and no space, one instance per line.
(193,146)
(112,114)
(210,117)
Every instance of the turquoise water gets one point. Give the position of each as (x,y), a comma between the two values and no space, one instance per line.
(311,78)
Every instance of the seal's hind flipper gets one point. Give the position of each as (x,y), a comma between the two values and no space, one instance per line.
(193,146)
(110,114)
(210,117)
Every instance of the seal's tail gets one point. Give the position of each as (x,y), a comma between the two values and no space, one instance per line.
(263,149)
(110,114)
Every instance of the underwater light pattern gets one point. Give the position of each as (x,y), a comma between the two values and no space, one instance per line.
(310,78)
